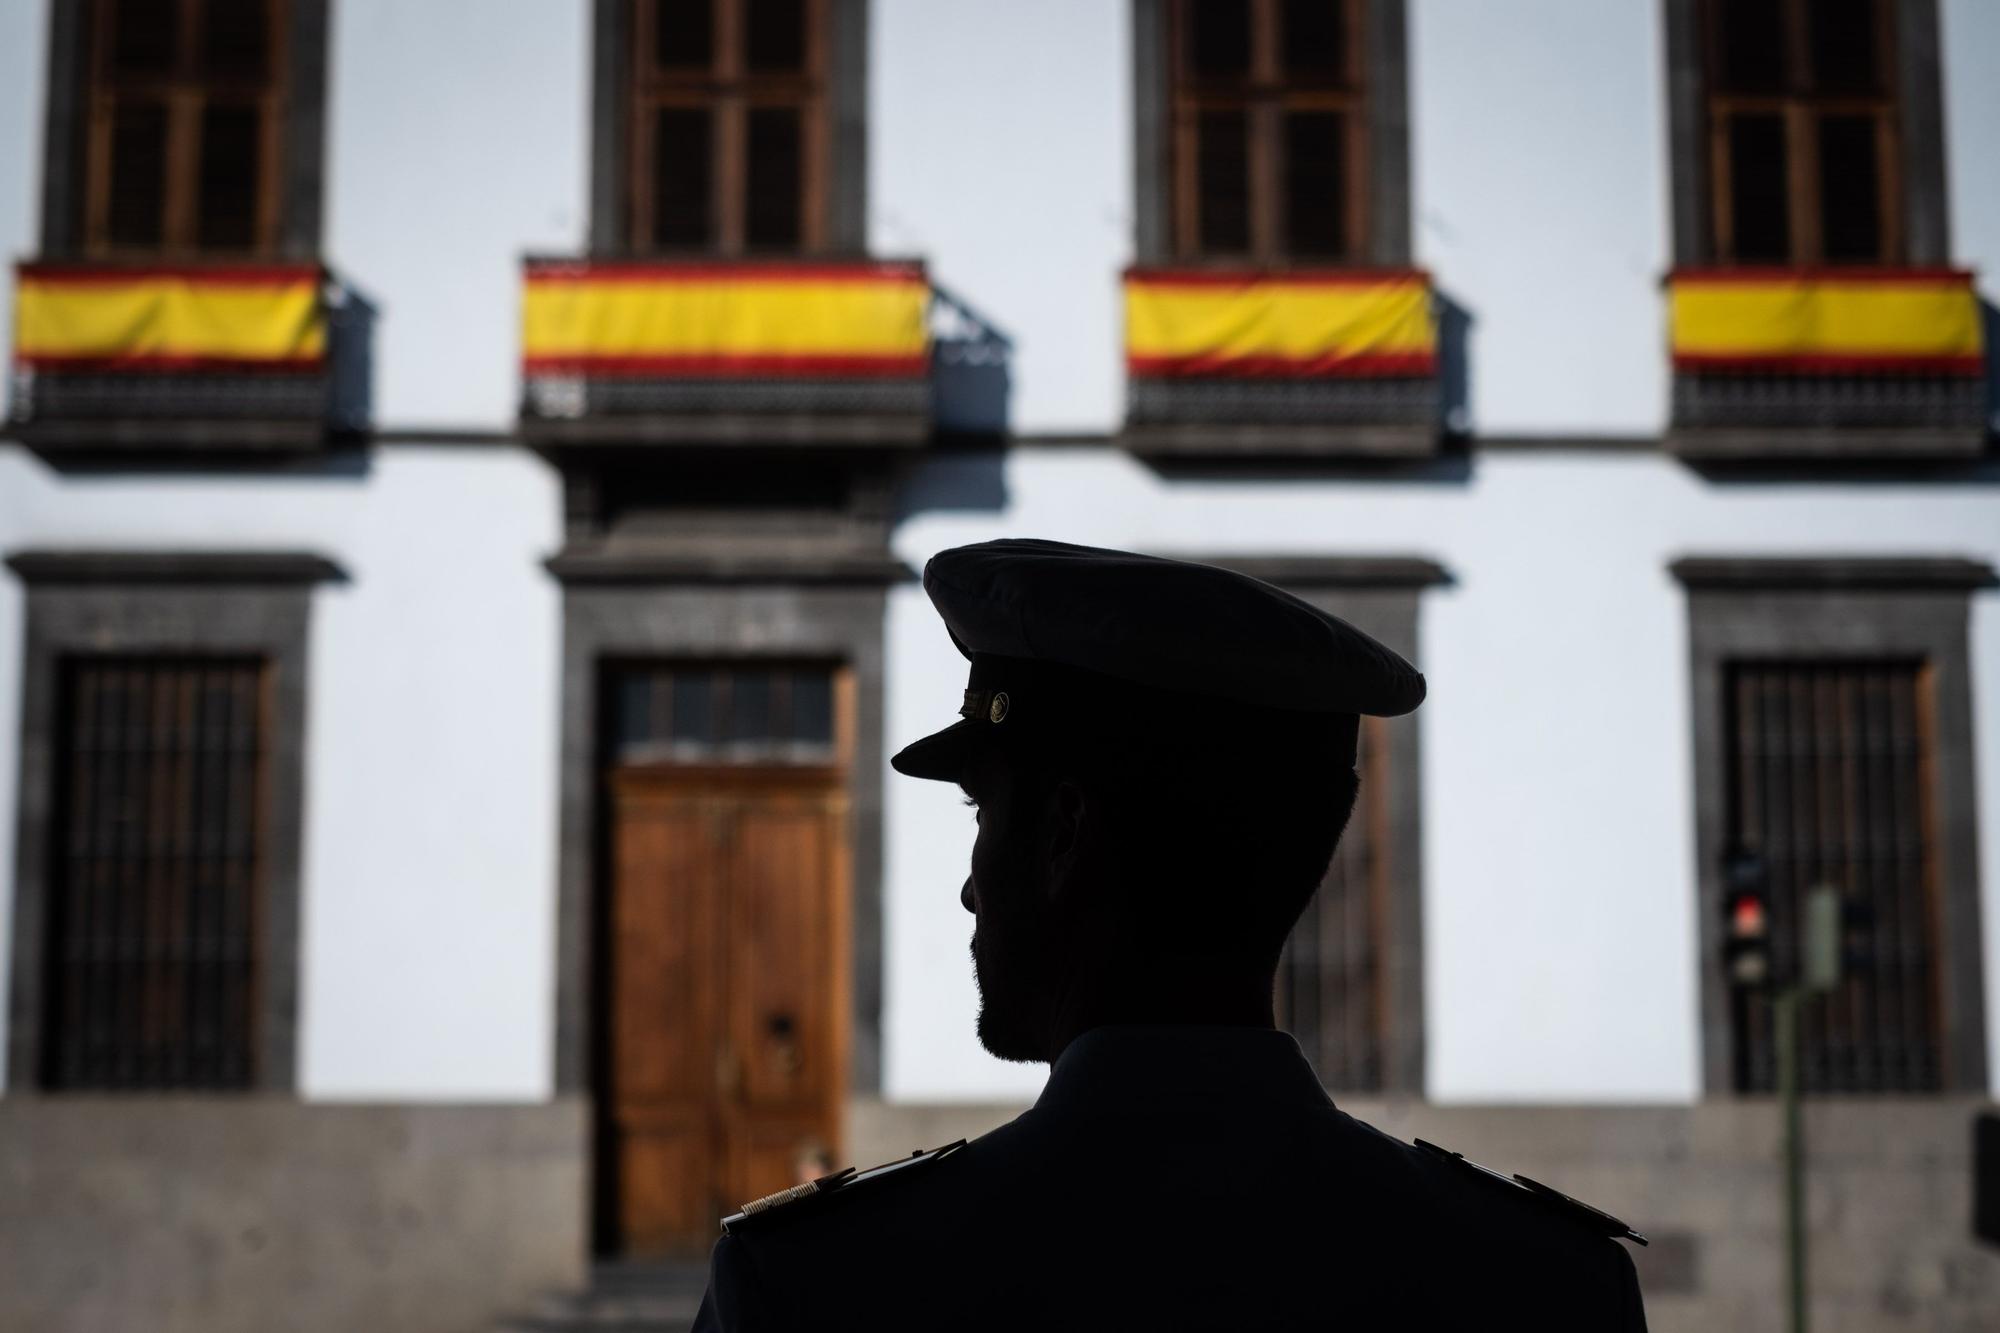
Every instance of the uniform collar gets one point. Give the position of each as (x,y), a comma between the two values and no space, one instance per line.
(1119,1068)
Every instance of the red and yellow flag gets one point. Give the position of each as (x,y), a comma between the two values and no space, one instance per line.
(1825,321)
(163,318)
(710,320)
(1361,323)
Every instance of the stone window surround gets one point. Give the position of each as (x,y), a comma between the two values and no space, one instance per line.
(66,123)
(610,97)
(1919,78)
(165,602)
(635,609)
(1843,606)
(1388,134)
(1379,595)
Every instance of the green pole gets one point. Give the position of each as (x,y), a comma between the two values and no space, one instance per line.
(1785,1018)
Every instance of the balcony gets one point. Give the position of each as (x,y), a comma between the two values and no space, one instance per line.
(1827,363)
(1330,364)
(720,353)
(224,358)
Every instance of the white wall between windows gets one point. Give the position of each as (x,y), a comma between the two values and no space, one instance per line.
(1560,959)
(428,894)
(458,141)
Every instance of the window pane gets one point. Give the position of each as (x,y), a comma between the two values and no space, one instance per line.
(1758,189)
(774,35)
(750,705)
(1218,38)
(1313,40)
(144,37)
(1222,181)
(1843,34)
(682,174)
(138,173)
(774,181)
(684,34)
(634,719)
(812,707)
(226,203)
(1315,183)
(236,40)
(694,707)
(1751,38)
(1850,189)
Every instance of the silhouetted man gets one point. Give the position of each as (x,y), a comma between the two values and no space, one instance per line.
(1162,756)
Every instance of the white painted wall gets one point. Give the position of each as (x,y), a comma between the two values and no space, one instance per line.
(458,141)
(1558,826)
(1000,149)
(430,795)
(1539,202)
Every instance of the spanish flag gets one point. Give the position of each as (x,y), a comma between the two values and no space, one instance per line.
(725,320)
(1825,321)
(165,318)
(1333,323)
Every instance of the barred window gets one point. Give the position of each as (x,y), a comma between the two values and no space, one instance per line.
(1804,138)
(729,135)
(157,873)
(1333,986)
(1269,139)
(736,712)
(1829,776)
(184,143)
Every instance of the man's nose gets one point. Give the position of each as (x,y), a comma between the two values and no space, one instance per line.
(965,896)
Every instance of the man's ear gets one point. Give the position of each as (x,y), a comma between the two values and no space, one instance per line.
(1066,829)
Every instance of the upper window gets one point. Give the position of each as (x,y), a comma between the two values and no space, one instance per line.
(184,138)
(1269,131)
(729,125)
(1803,131)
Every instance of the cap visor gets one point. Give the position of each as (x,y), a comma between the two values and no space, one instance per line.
(939,756)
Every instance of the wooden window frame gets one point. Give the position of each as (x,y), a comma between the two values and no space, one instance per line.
(729,92)
(67,131)
(1266,98)
(1801,108)
(1843,607)
(186,95)
(1918,197)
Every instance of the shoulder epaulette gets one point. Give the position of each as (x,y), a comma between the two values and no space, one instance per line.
(1594,1218)
(828,1186)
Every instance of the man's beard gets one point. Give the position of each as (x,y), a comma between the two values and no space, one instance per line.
(1016,995)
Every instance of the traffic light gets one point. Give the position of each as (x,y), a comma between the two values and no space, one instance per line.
(1746,932)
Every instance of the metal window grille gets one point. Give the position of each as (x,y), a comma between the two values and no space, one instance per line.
(1830,766)
(152,965)
(1332,991)
(742,712)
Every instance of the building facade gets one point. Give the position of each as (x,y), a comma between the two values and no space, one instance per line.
(464,471)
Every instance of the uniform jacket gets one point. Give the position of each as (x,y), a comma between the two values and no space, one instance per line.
(1171,1178)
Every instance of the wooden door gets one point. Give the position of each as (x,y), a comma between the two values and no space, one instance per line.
(728,992)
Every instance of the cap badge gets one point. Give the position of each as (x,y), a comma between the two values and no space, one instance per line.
(997,710)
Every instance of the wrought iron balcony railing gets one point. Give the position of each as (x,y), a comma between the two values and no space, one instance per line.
(1826,362)
(134,356)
